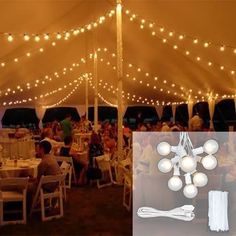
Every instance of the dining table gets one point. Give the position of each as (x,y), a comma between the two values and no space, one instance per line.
(19,168)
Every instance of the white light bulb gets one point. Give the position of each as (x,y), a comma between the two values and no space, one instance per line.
(164,148)
(10,38)
(200,179)
(190,191)
(209,162)
(210,146)
(26,37)
(165,165)
(37,38)
(188,164)
(175,183)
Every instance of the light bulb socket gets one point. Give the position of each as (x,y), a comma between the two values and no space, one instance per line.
(176,171)
(188,179)
(197,151)
(175,160)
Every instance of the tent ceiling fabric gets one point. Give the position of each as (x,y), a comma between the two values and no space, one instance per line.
(209,20)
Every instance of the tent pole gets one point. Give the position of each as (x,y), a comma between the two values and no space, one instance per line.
(95,92)
(86,96)
(119,76)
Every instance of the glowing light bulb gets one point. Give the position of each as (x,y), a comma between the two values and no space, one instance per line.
(162,29)
(46,36)
(26,37)
(190,191)
(37,38)
(209,162)
(164,148)
(10,38)
(210,146)
(165,165)
(175,183)
(151,25)
(206,44)
(188,164)
(222,48)
(181,37)
(195,41)
(59,36)
(200,179)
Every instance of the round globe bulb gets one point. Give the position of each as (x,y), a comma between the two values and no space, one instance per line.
(209,162)
(190,191)
(200,179)
(188,164)
(211,146)
(164,148)
(175,183)
(165,165)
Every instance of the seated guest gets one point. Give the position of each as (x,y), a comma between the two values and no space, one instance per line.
(47,135)
(95,147)
(80,165)
(48,166)
(110,144)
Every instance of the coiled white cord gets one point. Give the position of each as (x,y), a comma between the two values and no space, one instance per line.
(184,213)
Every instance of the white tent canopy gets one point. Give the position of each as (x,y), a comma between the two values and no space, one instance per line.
(154,72)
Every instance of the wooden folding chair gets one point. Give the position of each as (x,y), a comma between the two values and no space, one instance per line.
(13,190)
(42,195)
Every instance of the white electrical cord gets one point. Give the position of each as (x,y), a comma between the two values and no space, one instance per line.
(184,213)
(218,211)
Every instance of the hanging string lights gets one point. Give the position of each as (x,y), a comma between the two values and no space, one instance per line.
(186,52)
(154,27)
(183,94)
(45,79)
(64,35)
(45,95)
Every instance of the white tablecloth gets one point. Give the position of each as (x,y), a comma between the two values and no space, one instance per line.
(24,168)
(23,148)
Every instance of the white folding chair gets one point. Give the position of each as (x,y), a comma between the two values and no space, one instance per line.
(68,171)
(42,195)
(104,165)
(127,193)
(13,190)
